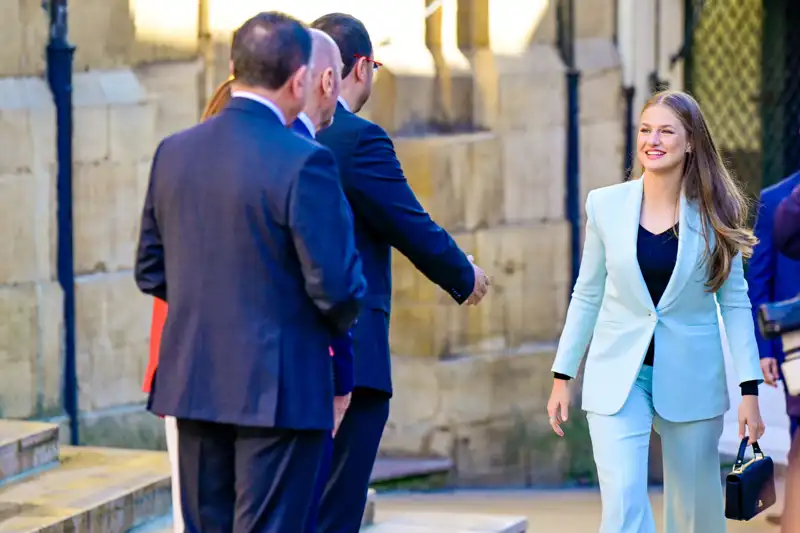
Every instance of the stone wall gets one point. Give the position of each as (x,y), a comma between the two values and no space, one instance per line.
(475,99)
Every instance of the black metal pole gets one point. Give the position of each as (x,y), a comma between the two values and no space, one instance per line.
(573,169)
(59,75)
(629,93)
(573,186)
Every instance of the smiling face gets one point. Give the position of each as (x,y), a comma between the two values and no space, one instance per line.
(663,141)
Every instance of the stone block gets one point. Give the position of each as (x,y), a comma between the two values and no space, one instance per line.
(113,320)
(595,19)
(130,427)
(108,199)
(531,90)
(602,155)
(24,27)
(27,125)
(534,175)
(50,317)
(26,206)
(403,94)
(174,87)
(103,32)
(30,348)
(25,447)
(18,351)
(164,32)
(457,178)
(486,412)
(515,26)
(601,80)
(114,117)
(529,267)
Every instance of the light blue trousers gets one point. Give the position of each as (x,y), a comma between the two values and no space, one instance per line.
(693,501)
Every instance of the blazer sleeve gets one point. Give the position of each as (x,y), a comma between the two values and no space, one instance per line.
(761,274)
(737,318)
(149,270)
(379,193)
(587,296)
(322,231)
(786,229)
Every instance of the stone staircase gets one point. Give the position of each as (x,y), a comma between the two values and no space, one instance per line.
(48,488)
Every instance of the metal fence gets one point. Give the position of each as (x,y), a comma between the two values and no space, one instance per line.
(742,63)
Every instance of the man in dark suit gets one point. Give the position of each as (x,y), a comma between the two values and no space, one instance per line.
(773,277)
(326,81)
(247,235)
(387,214)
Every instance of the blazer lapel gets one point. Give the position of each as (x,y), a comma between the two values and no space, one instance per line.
(688,241)
(633,209)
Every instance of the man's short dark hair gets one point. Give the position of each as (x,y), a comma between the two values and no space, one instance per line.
(268,49)
(350,35)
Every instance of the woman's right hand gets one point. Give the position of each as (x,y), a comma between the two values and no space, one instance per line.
(558,405)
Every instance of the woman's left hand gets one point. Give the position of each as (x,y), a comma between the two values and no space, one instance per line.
(750,417)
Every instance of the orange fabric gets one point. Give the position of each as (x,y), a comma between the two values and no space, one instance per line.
(159,317)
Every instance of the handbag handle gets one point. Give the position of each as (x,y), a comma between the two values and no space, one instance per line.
(738,466)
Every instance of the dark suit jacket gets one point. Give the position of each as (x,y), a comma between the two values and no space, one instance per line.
(787,222)
(341,345)
(387,214)
(772,276)
(247,235)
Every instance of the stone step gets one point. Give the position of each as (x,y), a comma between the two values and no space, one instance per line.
(398,468)
(424,522)
(164,524)
(26,448)
(100,490)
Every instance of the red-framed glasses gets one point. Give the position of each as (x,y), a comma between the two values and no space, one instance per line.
(375,64)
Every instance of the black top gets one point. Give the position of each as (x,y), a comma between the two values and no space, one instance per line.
(657,256)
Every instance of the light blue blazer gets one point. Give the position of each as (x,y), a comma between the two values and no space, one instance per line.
(611,306)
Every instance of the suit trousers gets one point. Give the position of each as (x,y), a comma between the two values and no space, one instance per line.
(354,451)
(240,479)
(171,428)
(693,500)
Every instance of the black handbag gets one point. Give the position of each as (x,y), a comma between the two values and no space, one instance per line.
(750,487)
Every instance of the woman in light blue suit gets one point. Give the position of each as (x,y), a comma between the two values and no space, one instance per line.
(660,253)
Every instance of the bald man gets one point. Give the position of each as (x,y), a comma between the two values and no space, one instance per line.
(323,94)
(326,81)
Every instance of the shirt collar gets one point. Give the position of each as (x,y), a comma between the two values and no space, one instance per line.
(345,104)
(261,100)
(308,124)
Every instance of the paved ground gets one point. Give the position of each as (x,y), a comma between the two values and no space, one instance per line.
(569,511)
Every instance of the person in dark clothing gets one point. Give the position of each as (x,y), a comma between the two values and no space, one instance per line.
(787,225)
(247,236)
(387,215)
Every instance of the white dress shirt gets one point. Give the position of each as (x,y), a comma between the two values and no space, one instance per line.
(308,124)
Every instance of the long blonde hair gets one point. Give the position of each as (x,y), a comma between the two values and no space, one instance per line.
(709,184)
(219,99)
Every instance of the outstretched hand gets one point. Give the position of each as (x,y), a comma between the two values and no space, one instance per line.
(482,283)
